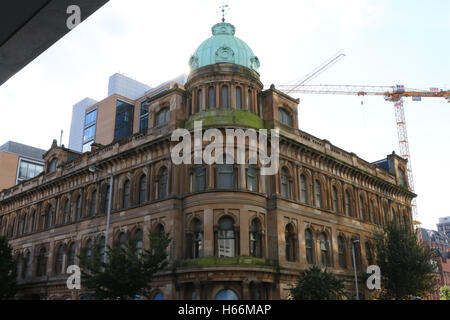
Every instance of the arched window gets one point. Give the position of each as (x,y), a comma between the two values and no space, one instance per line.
(78,208)
(341,252)
(369,255)
(335,200)
(290,243)
(32,221)
(225,175)
(357,248)
(194,239)
(189,107)
(59,260)
(41,263)
(122,240)
(285,190)
(101,247)
(19,226)
(18,264)
(93,203)
(324,249)
(252,178)
(249,100)
(348,208)
(199,100)
(303,189)
(226,237)
(309,245)
(200,177)
(66,214)
(225,97)
(163,183)
(386,214)
(106,199)
(12,224)
(88,250)
(226,295)
(238,98)
(160,230)
(362,208)
(372,212)
(49,217)
(255,239)
(52,165)
(126,194)
(138,241)
(284,117)
(25,264)
(198,239)
(211,98)
(260,108)
(319,202)
(143,189)
(24,224)
(162,117)
(158,296)
(71,257)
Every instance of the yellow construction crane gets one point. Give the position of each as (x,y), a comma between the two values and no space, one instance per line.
(394,94)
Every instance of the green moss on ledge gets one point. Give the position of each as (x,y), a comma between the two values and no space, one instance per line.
(226,117)
(235,261)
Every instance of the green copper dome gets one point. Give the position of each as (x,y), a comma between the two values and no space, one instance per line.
(224,47)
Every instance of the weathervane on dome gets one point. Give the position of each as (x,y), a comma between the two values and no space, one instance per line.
(224,7)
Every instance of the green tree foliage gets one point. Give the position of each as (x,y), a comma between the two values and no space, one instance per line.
(445,293)
(315,284)
(406,266)
(7,270)
(127,272)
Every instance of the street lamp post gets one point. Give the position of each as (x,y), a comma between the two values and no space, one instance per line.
(108,212)
(354,267)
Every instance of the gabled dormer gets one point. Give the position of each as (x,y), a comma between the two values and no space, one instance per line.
(56,156)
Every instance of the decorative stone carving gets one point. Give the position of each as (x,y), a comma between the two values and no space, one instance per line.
(254,62)
(193,62)
(225,54)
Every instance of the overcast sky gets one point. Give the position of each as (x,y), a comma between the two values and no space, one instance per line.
(386,43)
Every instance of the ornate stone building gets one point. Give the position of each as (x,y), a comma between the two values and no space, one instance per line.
(236,233)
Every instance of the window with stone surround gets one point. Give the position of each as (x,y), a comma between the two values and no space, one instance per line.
(126,194)
(290,240)
(303,189)
(256,239)
(309,246)
(226,237)
(341,252)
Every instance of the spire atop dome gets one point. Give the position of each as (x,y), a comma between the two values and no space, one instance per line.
(224,7)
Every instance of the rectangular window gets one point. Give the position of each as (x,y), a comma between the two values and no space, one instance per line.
(143,122)
(90,117)
(143,118)
(124,120)
(87,146)
(89,133)
(226,247)
(28,170)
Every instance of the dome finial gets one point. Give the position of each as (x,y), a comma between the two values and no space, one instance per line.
(224,7)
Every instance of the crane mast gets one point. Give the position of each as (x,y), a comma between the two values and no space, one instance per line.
(393,94)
